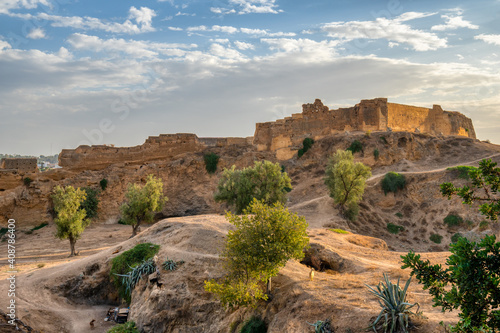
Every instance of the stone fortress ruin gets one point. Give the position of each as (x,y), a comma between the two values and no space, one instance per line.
(19,164)
(284,136)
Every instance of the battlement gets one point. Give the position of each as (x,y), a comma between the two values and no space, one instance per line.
(19,164)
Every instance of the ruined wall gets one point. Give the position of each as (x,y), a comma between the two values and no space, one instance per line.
(162,147)
(285,136)
(19,164)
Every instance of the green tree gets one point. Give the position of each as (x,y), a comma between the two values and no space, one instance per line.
(484,185)
(142,202)
(70,220)
(345,179)
(265,181)
(470,283)
(91,202)
(264,240)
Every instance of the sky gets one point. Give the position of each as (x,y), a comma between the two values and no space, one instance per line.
(115,72)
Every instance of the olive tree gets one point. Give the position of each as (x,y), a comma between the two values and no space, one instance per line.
(345,179)
(142,202)
(70,218)
(265,181)
(263,240)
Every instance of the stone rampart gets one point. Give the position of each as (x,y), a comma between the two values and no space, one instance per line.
(19,164)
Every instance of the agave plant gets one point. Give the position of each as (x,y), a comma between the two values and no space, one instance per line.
(171,265)
(130,279)
(395,313)
(321,326)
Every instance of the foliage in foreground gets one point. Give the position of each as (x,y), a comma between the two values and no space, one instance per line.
(71,220)
(346,180)
(470,283)
(463,171)
(125,262)
(211,161)
(265,181)
(395,314)
(128,327)
(393,182)
(254,325)
(142,202)
(485,182)
(264,240)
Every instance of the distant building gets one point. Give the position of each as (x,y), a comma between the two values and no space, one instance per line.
(19,164)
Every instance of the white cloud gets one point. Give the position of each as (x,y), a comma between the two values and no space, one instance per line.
(226,52)
(143,18)
(393,44)
(4,45)
(454,22)
(244,45)
(36,33)
(490,39)
(220,40)
(226,29)
(179,13)
(223,11)
(391,29)
(7,5)
(256,6)
(175,28)
(253,31)
(306,50)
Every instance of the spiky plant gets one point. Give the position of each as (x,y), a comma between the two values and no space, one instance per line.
(130,279)
(171,265)
(321,326)
(395,313)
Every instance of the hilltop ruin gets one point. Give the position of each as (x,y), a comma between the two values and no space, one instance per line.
(284,136)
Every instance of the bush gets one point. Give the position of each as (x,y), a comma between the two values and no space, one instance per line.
(394,229)
(306,144)
(368,133)
(130,279)
(456,237)
(91,202)
(395,308)
(483,225)
(211,161)
(384,140)
(171,265)
(436,238)
(352,211)
(339,231)
(322,326)
(128,327)
(123,264)
(355,147)
(400,215)
(27,181)
(103,183)
(254,325)
(40,226)
(453,220)
(376,153)
(463,171)
(393,182)
(264,182)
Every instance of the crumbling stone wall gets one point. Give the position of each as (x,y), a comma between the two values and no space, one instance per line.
(285,136)
(19,164)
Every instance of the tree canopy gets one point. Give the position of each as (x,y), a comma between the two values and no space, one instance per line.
(71,219)
(265,181)
(264,240)
(142,202)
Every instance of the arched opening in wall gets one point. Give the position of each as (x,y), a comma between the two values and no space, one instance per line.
(402,142)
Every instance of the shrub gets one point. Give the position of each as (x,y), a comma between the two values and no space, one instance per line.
(456,237)
(394,229)
(352,211)
(103,183)
(322,326)
(211,161)
(40,226)
(483,225)
(436,238)
(468,282)
(41,265)
(400,215)
(395,311)
(384,140)
(3,231)
(121,221)
(254,325)
(130,279)
(355,147)
(368,133)
(125,262)
(339,231)
(171,265)
(264,181)
(376,153)
(27,181)
(453,220)
(393,182)
(128,327)
(306,144)
(463,171)
(91,202)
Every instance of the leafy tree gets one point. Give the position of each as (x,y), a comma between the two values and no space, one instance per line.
(91,202)
(345,179)
(264,240)
(393,182)
(355,147)
(264,181)
(71,220)
(485,182)
(470,283)
(142,202)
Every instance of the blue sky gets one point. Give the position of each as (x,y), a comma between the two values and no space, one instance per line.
(116,72)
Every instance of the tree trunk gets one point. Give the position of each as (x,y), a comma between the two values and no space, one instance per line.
(136,228)
(72,243)
(268,286)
